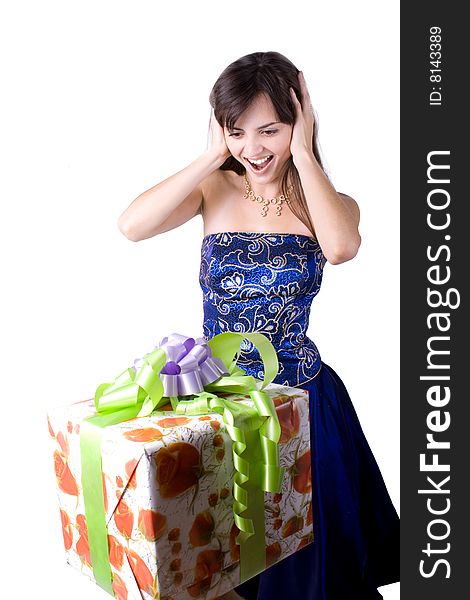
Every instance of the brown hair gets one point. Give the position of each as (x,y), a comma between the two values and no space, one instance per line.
(272,74)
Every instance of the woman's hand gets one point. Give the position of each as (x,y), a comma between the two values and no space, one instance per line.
(302,131)
(218,146)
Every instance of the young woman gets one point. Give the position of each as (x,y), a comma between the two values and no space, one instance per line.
(272,220)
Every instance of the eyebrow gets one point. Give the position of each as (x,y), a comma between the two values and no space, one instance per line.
(260,127)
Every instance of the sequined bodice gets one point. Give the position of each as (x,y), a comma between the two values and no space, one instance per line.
(264,282)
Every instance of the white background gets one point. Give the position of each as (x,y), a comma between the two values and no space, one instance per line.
(100,101)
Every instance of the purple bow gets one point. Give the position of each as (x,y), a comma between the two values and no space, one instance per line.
(190,365)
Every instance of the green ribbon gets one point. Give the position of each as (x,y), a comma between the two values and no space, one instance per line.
(255,432)
(140,389)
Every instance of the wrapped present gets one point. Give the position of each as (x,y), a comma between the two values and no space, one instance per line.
(187,502)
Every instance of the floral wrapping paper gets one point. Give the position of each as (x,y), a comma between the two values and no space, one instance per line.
(167,484)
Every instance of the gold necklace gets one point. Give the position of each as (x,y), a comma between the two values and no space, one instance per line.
(279,201)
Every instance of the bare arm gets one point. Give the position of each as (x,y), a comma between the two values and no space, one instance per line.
(168,204)
(335,216)
(175,200)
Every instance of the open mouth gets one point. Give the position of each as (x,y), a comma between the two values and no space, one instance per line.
(260,164)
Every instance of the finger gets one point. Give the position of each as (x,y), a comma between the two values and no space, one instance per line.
(214,123)
(298,106)
(306,101)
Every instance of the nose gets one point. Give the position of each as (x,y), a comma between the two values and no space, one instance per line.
(253,147)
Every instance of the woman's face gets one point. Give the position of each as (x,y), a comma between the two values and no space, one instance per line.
(260,142)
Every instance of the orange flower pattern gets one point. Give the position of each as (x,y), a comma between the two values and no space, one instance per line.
(167,484)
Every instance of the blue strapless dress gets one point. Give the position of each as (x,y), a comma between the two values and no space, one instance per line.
(266,282)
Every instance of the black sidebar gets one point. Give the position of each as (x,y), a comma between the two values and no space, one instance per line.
(435,261)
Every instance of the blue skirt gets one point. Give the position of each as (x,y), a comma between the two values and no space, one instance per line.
(356,527)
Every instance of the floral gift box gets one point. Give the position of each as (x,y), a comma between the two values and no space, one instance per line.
(173,486)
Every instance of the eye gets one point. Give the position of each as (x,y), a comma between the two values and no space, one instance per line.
(269,132)
(235,134)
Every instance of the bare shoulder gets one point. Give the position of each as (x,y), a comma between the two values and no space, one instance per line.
(352,205)
(219,185)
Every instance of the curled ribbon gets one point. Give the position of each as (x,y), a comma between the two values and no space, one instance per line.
(189,365)
(255,432)
(178,366)
(181,366)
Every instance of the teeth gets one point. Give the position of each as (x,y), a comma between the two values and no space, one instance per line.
(261,161)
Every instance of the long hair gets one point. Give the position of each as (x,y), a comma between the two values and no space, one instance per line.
(272,74)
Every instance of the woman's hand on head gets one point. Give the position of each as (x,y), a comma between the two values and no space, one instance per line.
(302,132)
(218,145)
